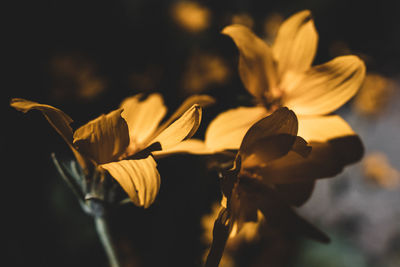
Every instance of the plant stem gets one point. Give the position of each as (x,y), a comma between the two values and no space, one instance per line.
(105,238)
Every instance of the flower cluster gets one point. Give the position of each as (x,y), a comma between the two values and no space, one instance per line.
(281,145)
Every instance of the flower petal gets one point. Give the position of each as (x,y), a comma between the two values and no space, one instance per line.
(142,117)
(296,43)
(103,139)
(325,160)
(323,128)
(256,65)
(57,119)
(182,128)
(326,87)
(192,146)
(278,213)
(227,130)
(295,194)
(139,178)
(270,138)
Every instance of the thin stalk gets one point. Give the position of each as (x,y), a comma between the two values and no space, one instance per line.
(105,238)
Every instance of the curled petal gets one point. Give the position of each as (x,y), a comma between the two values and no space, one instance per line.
(139,178)
(276,133)
(201,100)
(142,117)
(181,129)
(296,43)
(57,119)
(326,87)
(256,65)
(227,130)
(103,139)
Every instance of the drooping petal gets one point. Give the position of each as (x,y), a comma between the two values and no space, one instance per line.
(270,138)
(103,139)
(295,194)
(57,119)
(278,213)
(326,87)
(325,160)
(142,117)
(227,130)
(323,128)
(139,178)
(256,65)
(183,128)
(296,43)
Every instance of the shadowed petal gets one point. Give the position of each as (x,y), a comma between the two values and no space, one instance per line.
(278,213)
(295,194)
(227,130)
(139,178)
(57,118)
(323,128)
(271,137)
(103,139)
(325,160)
(256,65)
(296,43)
(142,117)
(181,129)
(326,87)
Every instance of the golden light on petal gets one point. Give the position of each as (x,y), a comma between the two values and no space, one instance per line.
(191,16)
(377,168)
(243,19)
(204,70)
(272,24)
(75,76)
(373,95)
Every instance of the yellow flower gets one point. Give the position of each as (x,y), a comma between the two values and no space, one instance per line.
(121,141)
(257,181)
(282,75)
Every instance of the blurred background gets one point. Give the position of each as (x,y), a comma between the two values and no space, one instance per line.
(85,57)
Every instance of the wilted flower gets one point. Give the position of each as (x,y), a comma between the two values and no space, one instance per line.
(257,180)
(121,141)
(282,75)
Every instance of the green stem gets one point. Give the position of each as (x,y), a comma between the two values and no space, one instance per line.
(105,238)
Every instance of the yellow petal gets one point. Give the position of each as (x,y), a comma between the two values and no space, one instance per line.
(57,118)
(103,139)
(182,128)
(142,117)
(323,128)
(192,146)
(296,43)
(139,178)
(269,138)
(227,130)
(256,65)
(326,87)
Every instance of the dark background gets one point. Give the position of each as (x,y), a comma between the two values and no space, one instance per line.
(44,225)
